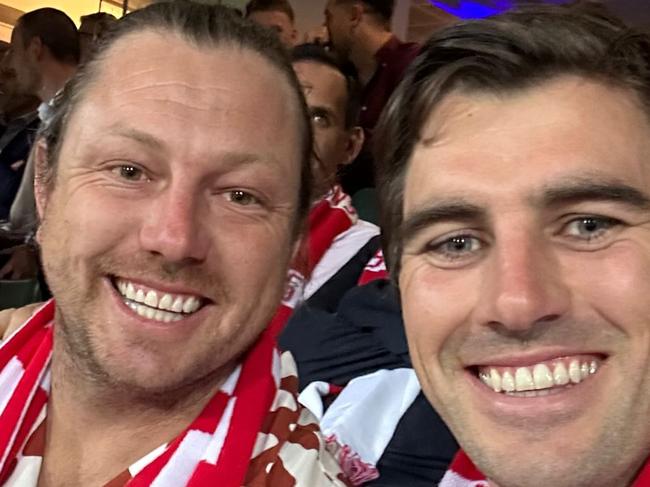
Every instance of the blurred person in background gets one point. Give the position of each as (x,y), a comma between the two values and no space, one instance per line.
(338,244)
(19,123)
(91,30)
(360,31)
(276,15)
(43,56)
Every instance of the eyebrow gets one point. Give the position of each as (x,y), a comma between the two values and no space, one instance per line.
(581,190)
(136,135)
(438,212)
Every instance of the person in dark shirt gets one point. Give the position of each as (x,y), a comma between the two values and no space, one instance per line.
(19,122)
(359,31)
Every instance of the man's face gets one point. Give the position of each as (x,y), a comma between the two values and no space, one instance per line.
(19,67)
(278,22)
(525,280)
(339,27)
(326,93)
(168,228)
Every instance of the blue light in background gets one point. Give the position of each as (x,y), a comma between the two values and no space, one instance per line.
(473,9)
(467,9)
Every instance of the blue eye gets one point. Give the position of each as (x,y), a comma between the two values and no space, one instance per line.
(456,247)
(590,227)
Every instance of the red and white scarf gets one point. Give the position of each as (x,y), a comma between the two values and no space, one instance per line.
(252,432)
(463,473)
(330,217)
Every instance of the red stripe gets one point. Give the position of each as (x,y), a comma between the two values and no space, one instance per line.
(207,421)
(643,480)
(254,392)
(21,398)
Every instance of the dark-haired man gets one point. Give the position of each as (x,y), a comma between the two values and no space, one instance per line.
(91,30)
(338,244)
(171,191)
(360,31)
(516,196)
(43,56)
(276,15)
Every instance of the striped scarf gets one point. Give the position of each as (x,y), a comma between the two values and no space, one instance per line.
(463,473)
(329,217)
(252,432)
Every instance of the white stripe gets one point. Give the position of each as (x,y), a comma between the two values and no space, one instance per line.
(213,450)
(9,379)
(138,466)
(343,248)
(365,414)
(276,368)
(230,383)
(180,467)
(452,479)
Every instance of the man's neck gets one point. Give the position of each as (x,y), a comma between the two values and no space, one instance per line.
(364,50)
(55,76)
(95,432)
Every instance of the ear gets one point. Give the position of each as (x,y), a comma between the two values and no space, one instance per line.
(294,37)
(354,144)
(42,176)
(36,48)
(356,13)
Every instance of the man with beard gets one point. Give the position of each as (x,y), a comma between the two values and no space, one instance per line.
(359,31)
(169,213)
(516,203)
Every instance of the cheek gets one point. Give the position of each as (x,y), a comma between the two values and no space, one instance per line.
(436,305)
(616,283)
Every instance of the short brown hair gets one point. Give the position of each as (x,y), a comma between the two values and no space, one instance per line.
(518,50)
(55,29)
(270,6)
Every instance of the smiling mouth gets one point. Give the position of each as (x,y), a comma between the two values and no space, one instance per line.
(540,379)
(157,305)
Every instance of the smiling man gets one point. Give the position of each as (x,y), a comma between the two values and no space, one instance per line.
(516,202)
(169,213)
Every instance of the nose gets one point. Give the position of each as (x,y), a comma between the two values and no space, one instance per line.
(173,227)
(523,284)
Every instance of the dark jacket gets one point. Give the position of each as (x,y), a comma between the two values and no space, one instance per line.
(366,334)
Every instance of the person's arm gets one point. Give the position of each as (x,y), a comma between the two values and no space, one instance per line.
(11,319)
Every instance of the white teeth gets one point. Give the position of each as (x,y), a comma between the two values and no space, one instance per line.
(130,292)
(560,375)
(496,380)
(538,377)
(523,379)
(584,371)
(574,372)
(191,305)
(151,299)
(177,307)
(507,382)
(542,377)
(166,302)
